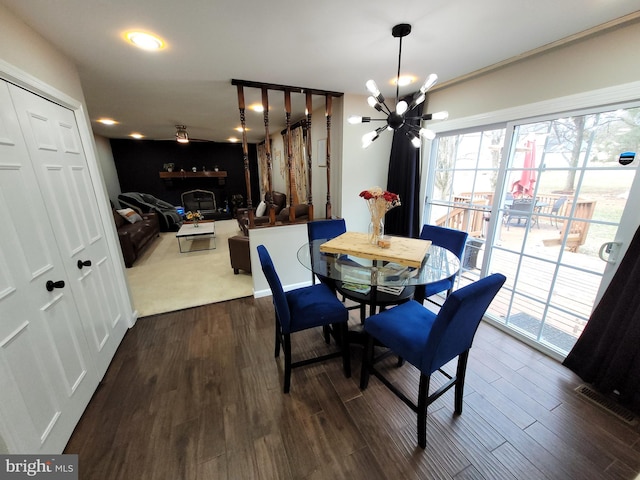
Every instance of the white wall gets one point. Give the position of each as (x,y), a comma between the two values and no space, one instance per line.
(604,60)
(25,49)
(361,168)
(282,243)
(108,168)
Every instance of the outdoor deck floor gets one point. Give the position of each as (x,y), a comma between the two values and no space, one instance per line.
(564,305)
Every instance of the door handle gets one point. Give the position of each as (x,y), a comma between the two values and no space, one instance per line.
(86,263)
(51,285)
(611,249)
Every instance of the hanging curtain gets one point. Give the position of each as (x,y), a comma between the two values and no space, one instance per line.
(264,169)
(299,166)
(607,354)
(404,179)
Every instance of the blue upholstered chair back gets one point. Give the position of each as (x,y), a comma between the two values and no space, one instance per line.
(279,299)
(326,228)
(457,321)
(454,240)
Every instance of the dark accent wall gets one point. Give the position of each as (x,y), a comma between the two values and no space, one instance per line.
(139,163)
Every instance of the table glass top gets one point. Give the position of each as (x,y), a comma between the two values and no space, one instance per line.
(438,264)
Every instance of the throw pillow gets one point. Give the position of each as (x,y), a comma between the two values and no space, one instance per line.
(262,207)
(130,215)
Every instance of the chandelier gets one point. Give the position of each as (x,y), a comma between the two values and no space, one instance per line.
(396,119)
(181,134)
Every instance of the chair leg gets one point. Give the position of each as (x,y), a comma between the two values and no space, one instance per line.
(346,352)
(278,338)
(460,374)
(327,334)
(367,360)
(423,403)
(287,362)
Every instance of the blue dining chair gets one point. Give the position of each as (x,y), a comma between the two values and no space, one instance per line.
(429,341)
(321,229)
(453,240)
(331,228)
(301,309)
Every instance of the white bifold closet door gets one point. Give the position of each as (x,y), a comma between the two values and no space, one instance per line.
(60,320)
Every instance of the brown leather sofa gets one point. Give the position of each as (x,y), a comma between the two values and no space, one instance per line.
(302,213)
(282,212)
(279,202)
(239,249)
(135,237)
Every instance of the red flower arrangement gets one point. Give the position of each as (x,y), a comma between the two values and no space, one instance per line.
(379,202)
(392,199)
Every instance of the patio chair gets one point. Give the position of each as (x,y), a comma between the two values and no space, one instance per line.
(555,210)
(521,209)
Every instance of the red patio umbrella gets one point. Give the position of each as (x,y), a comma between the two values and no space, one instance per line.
(524,186)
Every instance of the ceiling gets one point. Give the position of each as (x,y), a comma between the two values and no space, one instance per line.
(333,45)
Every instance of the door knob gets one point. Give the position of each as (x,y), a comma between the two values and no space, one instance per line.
(86,263)
(51,285)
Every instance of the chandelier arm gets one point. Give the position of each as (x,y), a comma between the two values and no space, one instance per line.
(384,104)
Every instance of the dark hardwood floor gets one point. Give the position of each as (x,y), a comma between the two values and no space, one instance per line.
(197,394)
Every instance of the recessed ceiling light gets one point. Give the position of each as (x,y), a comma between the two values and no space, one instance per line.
(137,136)
(233,140)
(146,41)
(239,129)
(404,80)
(107,121)
(257,107)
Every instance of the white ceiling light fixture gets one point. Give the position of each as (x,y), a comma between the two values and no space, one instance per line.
(107,121)
(181,134)
(396,119)
(145,41)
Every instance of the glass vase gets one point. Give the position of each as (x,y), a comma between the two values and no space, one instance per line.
(376,230)
(195,223)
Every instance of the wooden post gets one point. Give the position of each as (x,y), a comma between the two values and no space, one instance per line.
(328,113)
(267,150)
(309,157)
(245,155)
(287,108)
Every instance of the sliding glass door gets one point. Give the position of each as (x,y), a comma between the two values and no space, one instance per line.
(539,199)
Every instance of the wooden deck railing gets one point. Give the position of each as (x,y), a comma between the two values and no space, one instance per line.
(467,214)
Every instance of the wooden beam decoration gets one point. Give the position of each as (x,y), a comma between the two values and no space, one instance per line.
(245,155)
(287,109)
(328,114)
(287,89)
(309,156)
(267,149)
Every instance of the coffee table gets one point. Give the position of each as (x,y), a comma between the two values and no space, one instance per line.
(189,230)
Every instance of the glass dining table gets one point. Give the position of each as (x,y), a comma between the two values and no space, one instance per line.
(376,282)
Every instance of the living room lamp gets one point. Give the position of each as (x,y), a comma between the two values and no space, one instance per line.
(181,134)
(397,119)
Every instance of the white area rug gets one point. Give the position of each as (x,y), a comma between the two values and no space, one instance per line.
(164,280)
